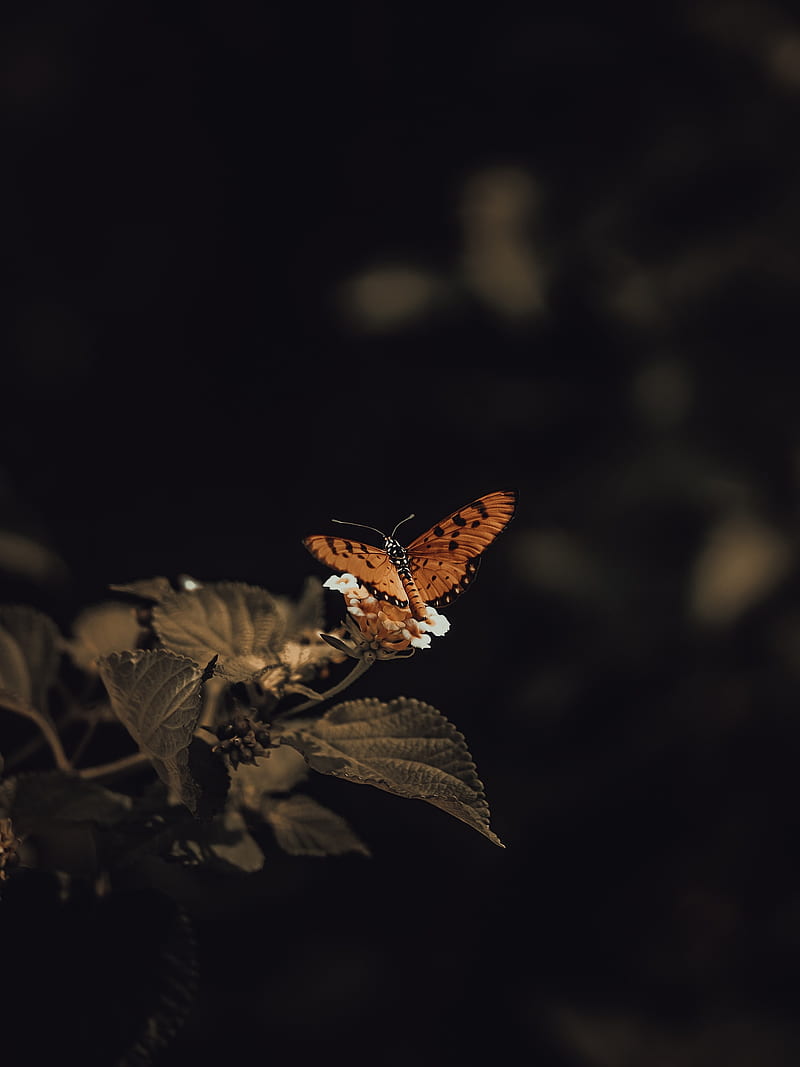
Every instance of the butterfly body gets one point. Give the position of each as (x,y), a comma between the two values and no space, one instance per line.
(398,557)
(435,568)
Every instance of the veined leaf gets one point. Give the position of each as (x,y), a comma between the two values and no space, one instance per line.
(303,827)
(238,623)
(404,747)
(157,695)
(29,653)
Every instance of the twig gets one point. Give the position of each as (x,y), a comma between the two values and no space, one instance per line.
(80,748)
(116,767)
(362,665)
(46,727)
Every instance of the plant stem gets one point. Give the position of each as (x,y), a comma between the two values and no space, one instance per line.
(46,727)
(116,767)
(80,748)
(362,665)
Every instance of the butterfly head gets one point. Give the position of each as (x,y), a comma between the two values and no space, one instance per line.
(397,554)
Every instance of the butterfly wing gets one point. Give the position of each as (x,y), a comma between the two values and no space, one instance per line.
(370,565)
(445,559)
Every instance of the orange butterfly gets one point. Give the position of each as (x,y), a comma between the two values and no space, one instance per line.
(434,568)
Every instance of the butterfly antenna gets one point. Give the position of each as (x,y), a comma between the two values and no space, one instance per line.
(344,522)
(394,531)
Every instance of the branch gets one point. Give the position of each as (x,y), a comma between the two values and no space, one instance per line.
(362,665)
(116,767)
(45,724)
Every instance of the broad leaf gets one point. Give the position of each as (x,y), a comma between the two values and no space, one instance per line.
(29,653)
(404,747)
(303,827)
(54,813)
(101,629)
(238,623)
(157,695)
(34,800)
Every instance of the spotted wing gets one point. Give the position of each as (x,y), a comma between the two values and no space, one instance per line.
(445,559)
(371,566)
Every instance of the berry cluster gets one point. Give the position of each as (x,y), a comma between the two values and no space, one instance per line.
(242,740)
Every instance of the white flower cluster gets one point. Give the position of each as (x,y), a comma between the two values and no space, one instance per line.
(386,624)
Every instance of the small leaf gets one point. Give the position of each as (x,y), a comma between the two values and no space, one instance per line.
(230,840)
(237,622)
(278,774)
(147,588)
(303,827)
(37,639)
(15,679)
(157,696)
(101,629)
(404,747)
(339,645)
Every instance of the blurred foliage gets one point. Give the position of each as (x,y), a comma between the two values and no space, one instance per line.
(271,268)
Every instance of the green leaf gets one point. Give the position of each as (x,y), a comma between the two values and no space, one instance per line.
(176,774)
(303,827)
(339,645)
(238,623)
(404,747)
(35,800)
(209,771)
(54,812)
(101,629)
(230,840)
(26,557)
(278,774)
(306,615)
(147,588)
(15,678)
(29,653)
(157,695)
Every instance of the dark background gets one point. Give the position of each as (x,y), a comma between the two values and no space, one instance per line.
(269,265)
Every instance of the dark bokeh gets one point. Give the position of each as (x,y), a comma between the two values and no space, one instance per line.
(270,265)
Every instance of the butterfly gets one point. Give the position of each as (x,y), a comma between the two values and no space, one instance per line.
(434,568)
